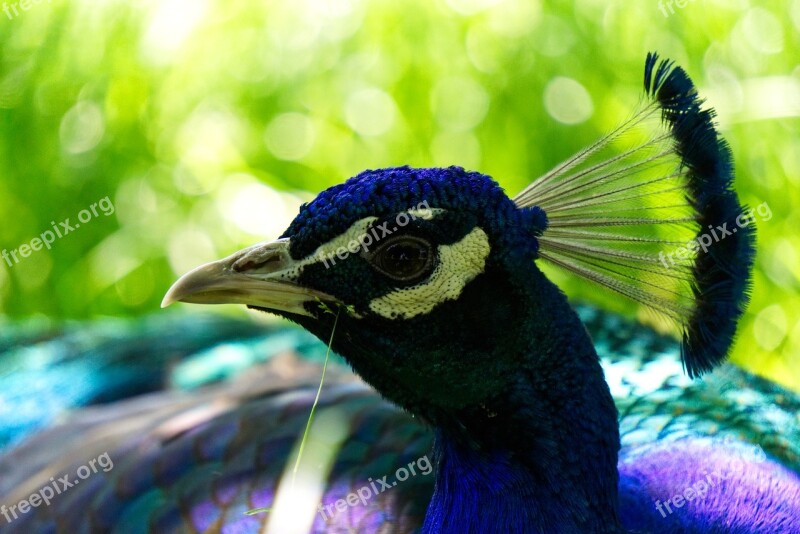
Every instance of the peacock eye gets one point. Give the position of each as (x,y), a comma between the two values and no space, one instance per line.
(404,258)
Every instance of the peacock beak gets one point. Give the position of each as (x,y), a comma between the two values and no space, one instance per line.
(255,276)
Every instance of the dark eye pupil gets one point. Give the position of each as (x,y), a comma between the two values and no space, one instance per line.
(404,260)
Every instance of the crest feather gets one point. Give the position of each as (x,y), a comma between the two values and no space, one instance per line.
(649,212)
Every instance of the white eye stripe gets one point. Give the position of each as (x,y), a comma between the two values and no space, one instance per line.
(326,253)
(459,264)
(338,248)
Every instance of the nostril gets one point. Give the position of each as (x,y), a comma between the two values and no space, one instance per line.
(263,259)
(250,263)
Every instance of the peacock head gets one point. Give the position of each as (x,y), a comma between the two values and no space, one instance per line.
(429,273)
(422,271)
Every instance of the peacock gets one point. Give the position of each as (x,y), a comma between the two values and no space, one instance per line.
(482,401)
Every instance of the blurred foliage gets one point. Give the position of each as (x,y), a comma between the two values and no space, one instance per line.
(206,123)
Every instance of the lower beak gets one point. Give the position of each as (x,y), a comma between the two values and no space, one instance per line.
(255,276)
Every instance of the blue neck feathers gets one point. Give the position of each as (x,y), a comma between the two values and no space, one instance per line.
(542,455)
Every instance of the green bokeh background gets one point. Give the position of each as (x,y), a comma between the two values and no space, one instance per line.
(207,122)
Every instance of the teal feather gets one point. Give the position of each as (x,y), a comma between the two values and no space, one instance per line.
(266,411)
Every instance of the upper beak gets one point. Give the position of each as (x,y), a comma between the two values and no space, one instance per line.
(254,276)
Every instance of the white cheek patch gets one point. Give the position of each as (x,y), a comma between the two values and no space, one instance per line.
(459,264)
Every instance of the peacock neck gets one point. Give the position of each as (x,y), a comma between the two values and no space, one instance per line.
(541,456)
